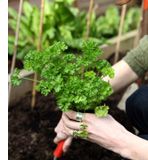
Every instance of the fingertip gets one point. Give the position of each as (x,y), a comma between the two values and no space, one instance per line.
(65,150)
(55,129)
(67,144)
(55,140)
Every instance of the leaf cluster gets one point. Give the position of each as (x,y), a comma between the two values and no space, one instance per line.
(76,79)
(82,133)
(132,19)
(107,25)
(15,78)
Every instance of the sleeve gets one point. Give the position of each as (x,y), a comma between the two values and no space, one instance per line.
(137,58)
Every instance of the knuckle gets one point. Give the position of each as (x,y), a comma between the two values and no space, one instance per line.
(87,117)
(67,131)
(55,140)
(89,128)
(67,123)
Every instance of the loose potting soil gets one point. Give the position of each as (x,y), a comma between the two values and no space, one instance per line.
(31,132)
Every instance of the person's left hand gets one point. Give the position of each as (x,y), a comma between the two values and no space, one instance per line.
(105,131)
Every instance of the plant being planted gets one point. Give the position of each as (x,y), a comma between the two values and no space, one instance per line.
(76,79)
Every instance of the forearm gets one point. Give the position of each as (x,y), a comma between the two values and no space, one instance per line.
(124,76)
(133,147)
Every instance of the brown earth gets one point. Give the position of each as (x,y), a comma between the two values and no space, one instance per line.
(31,132)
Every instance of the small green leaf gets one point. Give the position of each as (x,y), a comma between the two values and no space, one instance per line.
(15,78)
(12,24)
(108,71)
(82,133)
(27,9)
(101,111)
(12,12)
(90,74)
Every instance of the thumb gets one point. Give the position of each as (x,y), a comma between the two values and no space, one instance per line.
(67,144)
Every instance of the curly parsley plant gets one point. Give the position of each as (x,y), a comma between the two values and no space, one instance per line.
(76,79)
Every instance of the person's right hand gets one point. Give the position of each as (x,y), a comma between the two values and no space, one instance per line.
(62,136)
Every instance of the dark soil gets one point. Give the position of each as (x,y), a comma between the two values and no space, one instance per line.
(18,63)
(31,132)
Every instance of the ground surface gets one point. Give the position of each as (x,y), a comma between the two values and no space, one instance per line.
(31,132)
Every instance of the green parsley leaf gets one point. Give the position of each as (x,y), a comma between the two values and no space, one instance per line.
(15,78)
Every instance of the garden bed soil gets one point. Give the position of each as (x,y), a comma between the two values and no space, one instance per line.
(31,132)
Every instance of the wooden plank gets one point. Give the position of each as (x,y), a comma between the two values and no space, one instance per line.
(127,43)
(19,92)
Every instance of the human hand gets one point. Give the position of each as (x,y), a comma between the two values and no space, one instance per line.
(62,136)
(105,131)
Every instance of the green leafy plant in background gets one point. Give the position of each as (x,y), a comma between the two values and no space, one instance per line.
(76,79)
(132,19)
(61,22)
(64,22)
(58,24)
(107,25)
(28,29)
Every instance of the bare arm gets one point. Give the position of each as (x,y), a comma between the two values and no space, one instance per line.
(134,64)
(135,148)
(124,76)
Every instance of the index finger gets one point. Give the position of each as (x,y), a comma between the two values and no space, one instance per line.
(72,115)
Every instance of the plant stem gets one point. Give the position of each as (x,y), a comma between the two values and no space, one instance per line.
(29,79)
(91,4)
(15,44)
(38,48)
(82,72)
(123,12)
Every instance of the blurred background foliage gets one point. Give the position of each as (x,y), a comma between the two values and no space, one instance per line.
(64,22)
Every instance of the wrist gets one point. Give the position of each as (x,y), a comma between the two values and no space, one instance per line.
(125,147)
(132,147)
(121,144)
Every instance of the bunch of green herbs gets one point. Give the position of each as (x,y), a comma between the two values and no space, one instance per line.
(76,79)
